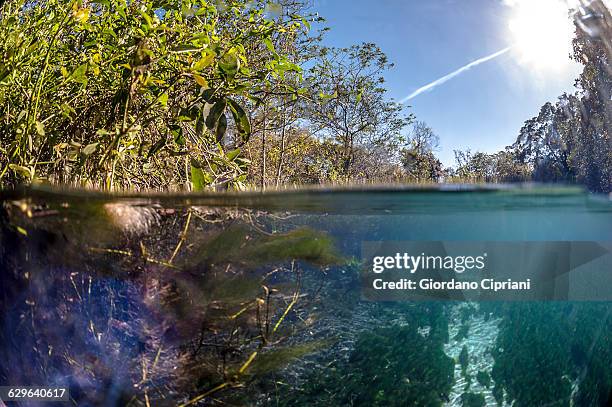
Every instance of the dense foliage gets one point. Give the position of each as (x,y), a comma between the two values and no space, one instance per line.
(135,94)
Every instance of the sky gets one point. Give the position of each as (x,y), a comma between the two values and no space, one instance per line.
(506,58)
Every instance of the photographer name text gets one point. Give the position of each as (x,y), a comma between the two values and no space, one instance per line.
(413,264)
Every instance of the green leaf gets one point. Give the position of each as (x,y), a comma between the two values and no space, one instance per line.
(221,128)
(177,133)
(163,99)
(269,45)
(274,9)
(90,149)
(359,95)
(205,61)
(78,75)
(159,144)
(102,2)
(200,80)
(40,128)
(103,132)
(207,94)
(24,171)
(185,48)
(199,178)
(241,119)
(229,64)
(215,114)
(67,110)
(233,154)
(146,17)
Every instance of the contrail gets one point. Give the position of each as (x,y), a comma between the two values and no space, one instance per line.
(451,75)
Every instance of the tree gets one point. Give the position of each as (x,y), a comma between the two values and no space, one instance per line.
(349,106)
(278,112)
(503,166)
(508,168)
(475,167)
(418,159)
(570,141)
(542,147)
(591,115)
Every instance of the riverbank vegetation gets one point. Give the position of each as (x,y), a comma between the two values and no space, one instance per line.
(168,95)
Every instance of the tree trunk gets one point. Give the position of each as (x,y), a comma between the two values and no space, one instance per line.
(263,150)
(346,165)
(281,154)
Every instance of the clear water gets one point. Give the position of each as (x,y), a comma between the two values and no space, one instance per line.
(255,299)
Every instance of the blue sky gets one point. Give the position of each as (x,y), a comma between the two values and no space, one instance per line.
(482,108)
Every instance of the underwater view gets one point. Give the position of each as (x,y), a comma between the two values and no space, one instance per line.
(256,299)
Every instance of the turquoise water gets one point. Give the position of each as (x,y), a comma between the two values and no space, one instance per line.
(256,299)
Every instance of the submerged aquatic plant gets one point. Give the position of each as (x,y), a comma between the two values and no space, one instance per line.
(393,366)
(154,316)
(554,354)
(473,400)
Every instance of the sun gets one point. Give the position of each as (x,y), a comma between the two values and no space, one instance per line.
(541,33)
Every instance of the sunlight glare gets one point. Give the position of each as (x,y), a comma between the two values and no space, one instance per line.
(541,33)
